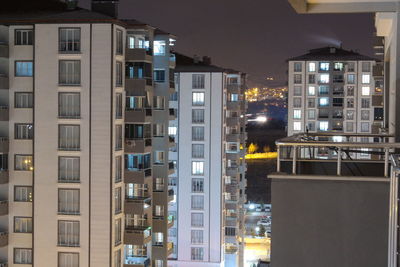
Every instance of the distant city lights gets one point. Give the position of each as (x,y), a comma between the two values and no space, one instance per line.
(259,118)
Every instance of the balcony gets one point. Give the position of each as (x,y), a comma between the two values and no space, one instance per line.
(139,54)
(138,145)
(171,141)
(3,207)
(4,177)
(233,137)
(4,50)
(172,114)
(136,261)
(3,239)
(232,121)
(377,101)
(171,167)
(138,87)
(4,143)
(171,195)
(377,71)
(232,170)
(4,82)
(231,216)
(4,113)
(231,250)
(137,176)
(233,88)
(137,205)
(137,236)
(233,105)
(138,115)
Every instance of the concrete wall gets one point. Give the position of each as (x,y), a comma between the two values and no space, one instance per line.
(329,223)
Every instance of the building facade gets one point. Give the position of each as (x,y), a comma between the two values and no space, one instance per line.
(84,174)
(331,89)
(210,180)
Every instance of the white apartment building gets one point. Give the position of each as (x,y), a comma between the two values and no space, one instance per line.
(84,113)
(331,89)
(210,181)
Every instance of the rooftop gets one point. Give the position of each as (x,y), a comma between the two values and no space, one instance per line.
(196,64)
(331,53)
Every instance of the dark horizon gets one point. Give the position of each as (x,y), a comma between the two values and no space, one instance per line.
(247,37)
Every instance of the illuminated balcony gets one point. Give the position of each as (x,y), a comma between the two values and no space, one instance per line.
(136,261)
(170,248)
(143,145)
(231,249)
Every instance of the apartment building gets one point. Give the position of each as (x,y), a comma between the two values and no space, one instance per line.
(332,89)
(341,207)
(84,160)
(210,181)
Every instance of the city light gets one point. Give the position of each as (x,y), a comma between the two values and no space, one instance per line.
(261,119)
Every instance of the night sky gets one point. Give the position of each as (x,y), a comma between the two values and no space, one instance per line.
(254,36)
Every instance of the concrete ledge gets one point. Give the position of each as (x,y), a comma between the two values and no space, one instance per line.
(285,176)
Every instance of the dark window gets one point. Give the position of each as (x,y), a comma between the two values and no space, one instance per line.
(23,37)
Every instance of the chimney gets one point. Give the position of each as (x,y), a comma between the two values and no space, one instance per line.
(207,60)
(196,59)
(106,7)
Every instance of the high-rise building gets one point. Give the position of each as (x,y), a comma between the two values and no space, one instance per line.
(84,147)
(331,89)
(335,195)
(210,181)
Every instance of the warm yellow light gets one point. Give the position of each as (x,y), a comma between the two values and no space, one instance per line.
(266,155)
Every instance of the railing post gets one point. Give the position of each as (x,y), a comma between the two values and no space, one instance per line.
(386,174)
(278,159)
(339,162)
(294,159)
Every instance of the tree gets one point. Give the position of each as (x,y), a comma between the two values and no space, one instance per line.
(252,148)
(266,149)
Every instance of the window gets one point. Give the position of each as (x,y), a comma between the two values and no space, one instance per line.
(159,102)
(22,256)
(197,99)
(68,201)
(378,114)
(158,130)
(311,78)
(120,43)
(197,202)
(23,68)
(311,114)
(23,37)
(22,225)
(70,40)
(311,90)
(365,127)
(323,125)
(118,106)
(197,133)
(118,231)
(117,258)
(297,66)
(197,168)
(68,233)
(172,130)
(337,78)
(23,100)
(296,126)
(197,237)
(198,81)
(297,114)
(364,114)
(311,126)
(349,126)
(311,66)
(324,78)
(350,103)
(366,66)
(235,97)
(137,162)
(159,75)
(66,259)
(323,90)
(69,72)
(323,101)
(297,90)
(197,185)
(350,66)
(118,74)
(23,163)
(159,48)
(69,105)
(118,200)
(118,137)
(297,78)
(324,66)
(337,102)
(297,102)
(69,137)
(311,103)
(69,169)
(351,78)
(23,194)
(118,169)
(350,115)
(23,131)
(365,90)
(198,116)
(230,231)
(197,219)
(350,90)
(366,78)
(197,254)
(197,151)
(159,157)
(338,66)
(365,102)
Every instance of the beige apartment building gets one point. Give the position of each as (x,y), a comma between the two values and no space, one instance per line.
(84,147)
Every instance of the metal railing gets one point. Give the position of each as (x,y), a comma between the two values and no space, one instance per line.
(335,147)
(393,241)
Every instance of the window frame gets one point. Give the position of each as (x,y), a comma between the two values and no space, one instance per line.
(27,30)
(70,51)
(23,61)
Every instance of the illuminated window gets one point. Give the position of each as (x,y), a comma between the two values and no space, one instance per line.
(198,99)
(323,125)
(296,126)
(338,66)
(323,90)
(324,78)
(324,66)
(159,48)
(197,168)
(351,78)
(311,66)
(311,90)
(323,101)
(366,78)
(297,114)
(365,90)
